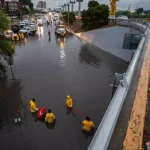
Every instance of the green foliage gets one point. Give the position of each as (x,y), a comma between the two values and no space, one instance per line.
(5,45)
(71,17)
(31,6)
(93,3)
(95,17)
(4,22)
(123,12)
(147,11)
(139,10)
(25,10)
(25,2)
(132,15)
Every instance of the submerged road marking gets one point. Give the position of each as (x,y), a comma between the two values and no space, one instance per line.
(134,134)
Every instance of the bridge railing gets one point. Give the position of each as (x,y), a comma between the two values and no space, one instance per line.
(105,130)
(142,26)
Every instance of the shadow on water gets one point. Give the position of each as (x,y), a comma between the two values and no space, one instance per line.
(87,57)
(11,106)
(51,125)
(88,134)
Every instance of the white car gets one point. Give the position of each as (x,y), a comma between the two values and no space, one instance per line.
(125,18)
(29,29)
(8,34)
(56,17)
(26,21)
(40,22)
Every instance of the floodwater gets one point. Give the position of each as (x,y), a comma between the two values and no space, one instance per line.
(48,70)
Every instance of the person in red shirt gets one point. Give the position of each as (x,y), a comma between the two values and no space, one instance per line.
(49,33)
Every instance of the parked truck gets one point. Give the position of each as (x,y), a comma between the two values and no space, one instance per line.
(29,29)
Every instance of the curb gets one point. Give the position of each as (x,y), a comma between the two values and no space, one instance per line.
(134,135)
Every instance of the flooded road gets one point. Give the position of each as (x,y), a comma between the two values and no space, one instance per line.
(48,70)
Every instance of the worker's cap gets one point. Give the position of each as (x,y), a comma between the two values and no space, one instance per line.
(33,99)
(68,96)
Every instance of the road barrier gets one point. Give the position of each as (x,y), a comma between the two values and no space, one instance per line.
(105,130)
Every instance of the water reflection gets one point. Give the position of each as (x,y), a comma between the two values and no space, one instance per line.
(11,106)
(87,56)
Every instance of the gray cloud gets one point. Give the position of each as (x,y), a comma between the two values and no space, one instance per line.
(124,4)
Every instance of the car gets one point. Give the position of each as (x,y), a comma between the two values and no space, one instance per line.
(125,18)
(13,17)
(61,30)
(26,21)
(56,17)
(8,34)
(40,22)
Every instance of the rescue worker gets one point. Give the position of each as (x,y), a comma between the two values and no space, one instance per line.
(12,37)
(69,102)
(50,117)
(88,125)
(22,35)
(17,37)
(33,107)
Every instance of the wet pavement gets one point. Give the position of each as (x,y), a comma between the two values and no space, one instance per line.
(111,40)
(48,70)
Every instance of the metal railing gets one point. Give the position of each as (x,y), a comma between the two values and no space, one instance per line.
(105,130)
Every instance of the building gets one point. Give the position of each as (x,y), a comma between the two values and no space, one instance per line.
(41,4)
(12,6)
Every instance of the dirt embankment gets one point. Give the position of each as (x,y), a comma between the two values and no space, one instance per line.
(77,26)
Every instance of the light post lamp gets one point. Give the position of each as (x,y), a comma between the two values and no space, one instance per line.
(72,2)
(79,6)
(65,5)
(68,12)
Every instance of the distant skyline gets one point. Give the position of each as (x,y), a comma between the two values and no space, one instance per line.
(121,4)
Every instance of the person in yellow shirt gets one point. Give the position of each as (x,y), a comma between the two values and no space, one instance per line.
(50,117)
(33,107)
(88,125)
(69,102)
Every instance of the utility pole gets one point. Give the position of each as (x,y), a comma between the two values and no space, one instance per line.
(65,7)
(68,14)
(129,7)
(72,3)
(79,7)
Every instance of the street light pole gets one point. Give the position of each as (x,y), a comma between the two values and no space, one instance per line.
(68,14)
(72,2)
(79,8)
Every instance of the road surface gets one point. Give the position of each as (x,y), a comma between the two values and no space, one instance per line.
(49,70)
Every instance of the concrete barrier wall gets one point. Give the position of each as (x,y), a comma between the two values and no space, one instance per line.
(105,130)
(142,27)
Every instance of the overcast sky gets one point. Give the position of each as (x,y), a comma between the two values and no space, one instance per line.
(122,4)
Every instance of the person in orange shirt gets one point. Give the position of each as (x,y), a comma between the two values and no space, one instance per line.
(69,102)
(88,125)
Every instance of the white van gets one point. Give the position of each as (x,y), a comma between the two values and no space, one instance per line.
(29,29)
(56,17)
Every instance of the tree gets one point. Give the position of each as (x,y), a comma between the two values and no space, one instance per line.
(93,3)
(71,17)
(95,17)
(139,10)
(31,6)
(25,2)
(5,45)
